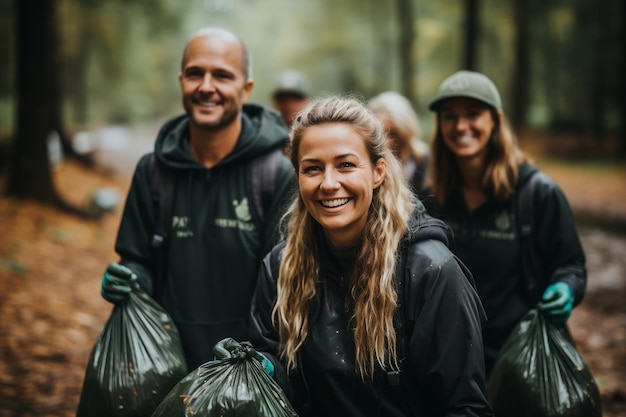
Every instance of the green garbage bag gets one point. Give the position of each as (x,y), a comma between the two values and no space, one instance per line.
(233,387)
(135,362)
(539,373)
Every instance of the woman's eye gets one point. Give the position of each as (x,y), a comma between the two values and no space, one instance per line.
(312,168)
(346,165)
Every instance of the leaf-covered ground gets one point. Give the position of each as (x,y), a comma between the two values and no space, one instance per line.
(51,311)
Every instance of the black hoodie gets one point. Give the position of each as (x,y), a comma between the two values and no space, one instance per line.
(443,374)
(487,240)
(207,268)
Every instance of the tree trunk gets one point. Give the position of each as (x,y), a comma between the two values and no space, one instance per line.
(521,65)
(406,44)
(74,87)
(30,175)
(383,41)
(622,103)
(471,34)
(599,69)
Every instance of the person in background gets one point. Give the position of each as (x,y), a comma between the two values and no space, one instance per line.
(204,274)
(403,132)
(477,173)
(291,94)
(363,310)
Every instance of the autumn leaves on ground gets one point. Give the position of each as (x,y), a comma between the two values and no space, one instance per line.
(50,270)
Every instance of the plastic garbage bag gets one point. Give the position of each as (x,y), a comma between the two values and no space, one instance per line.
(539,373)
(232,387)
(136,360)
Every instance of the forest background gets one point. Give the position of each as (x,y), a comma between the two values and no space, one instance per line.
(76,76)
(70,66)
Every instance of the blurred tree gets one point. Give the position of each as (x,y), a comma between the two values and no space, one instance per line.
(383,40)
(471,34)
(122,58)
(6,84)
(78,40)
(521,64)
(37,95)
(406,46)
(57,92)
(621,13)
(562,61)
(30,172)
(600,38)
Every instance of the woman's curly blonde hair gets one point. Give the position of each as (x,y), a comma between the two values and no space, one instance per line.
(372,290)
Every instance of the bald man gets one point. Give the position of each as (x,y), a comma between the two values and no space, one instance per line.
(203,269)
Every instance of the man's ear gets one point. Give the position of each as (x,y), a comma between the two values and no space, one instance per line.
(247,90)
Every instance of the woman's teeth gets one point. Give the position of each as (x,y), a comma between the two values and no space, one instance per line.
(334,203)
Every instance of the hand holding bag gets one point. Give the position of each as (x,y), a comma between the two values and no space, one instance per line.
(237,386)
(540,373)
(137,358)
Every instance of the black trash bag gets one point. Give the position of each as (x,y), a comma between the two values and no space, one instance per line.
(137,359)
(539,373)
(232,387)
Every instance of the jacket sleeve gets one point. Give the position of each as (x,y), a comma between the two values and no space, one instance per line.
(134,236)
(557,241)
(446,354)
(263,335)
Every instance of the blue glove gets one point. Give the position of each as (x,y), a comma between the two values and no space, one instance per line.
(117,283)
(557,302)
(230,348)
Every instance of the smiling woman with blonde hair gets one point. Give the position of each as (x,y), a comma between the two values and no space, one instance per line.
(363,310)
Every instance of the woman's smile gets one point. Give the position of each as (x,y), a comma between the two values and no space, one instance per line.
(336,202)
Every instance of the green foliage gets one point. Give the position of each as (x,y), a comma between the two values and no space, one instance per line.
(120,58)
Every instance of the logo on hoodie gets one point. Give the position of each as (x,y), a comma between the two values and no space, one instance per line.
(243,220)
(502,230)
(242,209)
(180,224)
(502,220)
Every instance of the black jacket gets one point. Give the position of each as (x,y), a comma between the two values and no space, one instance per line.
(443,374)
(205,273)
(488,241)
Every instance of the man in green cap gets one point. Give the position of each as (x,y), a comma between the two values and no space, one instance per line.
(291,94)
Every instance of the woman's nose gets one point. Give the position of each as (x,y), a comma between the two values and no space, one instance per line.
(462,123)
(330,180)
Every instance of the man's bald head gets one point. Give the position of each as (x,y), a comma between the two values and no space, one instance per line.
(215,32)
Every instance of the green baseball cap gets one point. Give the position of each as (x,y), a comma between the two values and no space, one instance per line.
(468,84)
